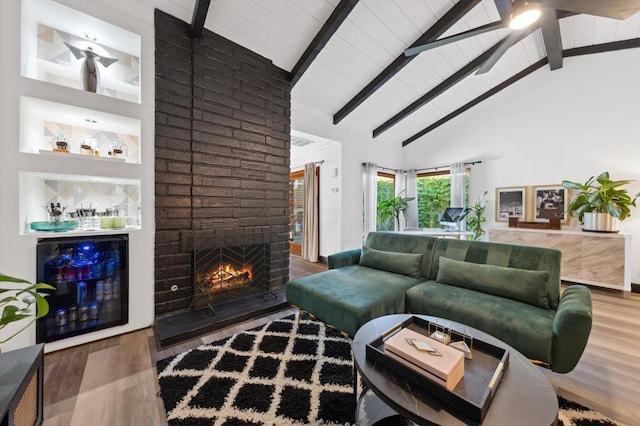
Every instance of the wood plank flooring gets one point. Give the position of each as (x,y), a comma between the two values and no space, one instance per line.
(113,381)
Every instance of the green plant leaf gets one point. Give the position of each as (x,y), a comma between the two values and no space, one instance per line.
(9,279)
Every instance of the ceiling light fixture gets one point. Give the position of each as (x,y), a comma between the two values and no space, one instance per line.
(524,13)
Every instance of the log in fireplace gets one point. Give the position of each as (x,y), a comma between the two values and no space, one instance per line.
(230,267)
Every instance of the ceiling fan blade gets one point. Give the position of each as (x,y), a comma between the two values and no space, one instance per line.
(617,9)
(504,9)
(550,28)
(412,51)
(506,44)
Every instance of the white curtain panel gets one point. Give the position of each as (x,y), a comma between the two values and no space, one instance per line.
(457,185)
(370,177)
(411,184)
(310,238)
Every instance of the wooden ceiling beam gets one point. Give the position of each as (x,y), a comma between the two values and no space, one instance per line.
(542,62)
(602,47)
(577,51)
(329,28)
(447,21)
(438,90)
(199,17)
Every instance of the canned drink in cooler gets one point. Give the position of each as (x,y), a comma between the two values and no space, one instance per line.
(82,293)
(83,313)
(108,289)
(100,290)
(93,311)
(73,313)
(61,317)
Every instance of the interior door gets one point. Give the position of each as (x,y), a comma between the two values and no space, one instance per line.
(296,210)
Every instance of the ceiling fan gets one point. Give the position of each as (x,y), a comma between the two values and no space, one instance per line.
(526,16)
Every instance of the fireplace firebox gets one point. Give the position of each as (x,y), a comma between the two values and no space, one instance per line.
(229,268)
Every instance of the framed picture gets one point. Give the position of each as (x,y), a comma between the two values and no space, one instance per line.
(510,202)
(550,202)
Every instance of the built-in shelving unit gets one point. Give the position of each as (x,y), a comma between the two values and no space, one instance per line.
(99,146)
(43,96)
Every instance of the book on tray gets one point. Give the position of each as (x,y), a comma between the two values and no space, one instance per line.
(446,369)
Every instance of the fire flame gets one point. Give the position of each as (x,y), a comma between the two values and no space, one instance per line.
(224,277)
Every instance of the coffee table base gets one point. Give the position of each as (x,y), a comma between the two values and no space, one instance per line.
(371,410)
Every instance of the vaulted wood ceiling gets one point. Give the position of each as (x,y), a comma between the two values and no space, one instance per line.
(426,90)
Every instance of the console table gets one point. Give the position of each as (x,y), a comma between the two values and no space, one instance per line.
(21,383)
(593,258)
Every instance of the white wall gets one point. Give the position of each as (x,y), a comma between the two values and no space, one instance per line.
(570,124)
(18,252)
(330,188)
(357,147)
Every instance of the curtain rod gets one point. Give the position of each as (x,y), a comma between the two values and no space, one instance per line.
(383,168)
(468,163)
(317,163)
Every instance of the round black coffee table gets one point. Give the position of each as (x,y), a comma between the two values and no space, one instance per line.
(524,397)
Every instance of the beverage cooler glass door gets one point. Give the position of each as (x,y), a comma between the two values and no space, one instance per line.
(91,277)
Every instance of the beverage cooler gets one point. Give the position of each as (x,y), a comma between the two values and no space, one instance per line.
(91,277)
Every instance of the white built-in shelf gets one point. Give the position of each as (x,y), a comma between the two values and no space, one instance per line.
(41,120)
(38,189)
(47,25)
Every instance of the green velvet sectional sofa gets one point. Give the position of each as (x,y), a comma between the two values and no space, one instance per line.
(509,291)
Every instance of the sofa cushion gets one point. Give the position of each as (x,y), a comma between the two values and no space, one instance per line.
(350,296)
(525,327)
(405,243)
(507,255)
(518,284)
(401,263)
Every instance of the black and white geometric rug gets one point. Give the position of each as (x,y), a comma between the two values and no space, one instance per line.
(283,373)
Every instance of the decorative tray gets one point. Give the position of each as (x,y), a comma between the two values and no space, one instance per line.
(67,225)
(472,396)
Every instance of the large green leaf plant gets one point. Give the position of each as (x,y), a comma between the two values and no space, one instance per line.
(393,208)
(600,195)
(18,301)
(474,216)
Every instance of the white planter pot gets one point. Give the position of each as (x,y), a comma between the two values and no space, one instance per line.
(601,222)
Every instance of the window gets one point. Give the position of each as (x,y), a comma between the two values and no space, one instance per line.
(434,195)
(386,191)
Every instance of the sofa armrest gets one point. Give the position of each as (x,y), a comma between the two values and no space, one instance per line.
(571,328)
(344,258)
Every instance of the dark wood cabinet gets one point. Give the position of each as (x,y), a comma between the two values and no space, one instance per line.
(21,382)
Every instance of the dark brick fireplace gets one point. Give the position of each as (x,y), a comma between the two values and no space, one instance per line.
(221,155)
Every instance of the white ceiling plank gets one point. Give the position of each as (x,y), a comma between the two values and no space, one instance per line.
(605,30)
(418,13)
(583,30)
(566,33)
(628,28)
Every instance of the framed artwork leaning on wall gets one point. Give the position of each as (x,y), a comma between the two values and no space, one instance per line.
(550,202)
(510,202)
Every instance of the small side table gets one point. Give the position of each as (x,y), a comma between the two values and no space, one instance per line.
(21,376)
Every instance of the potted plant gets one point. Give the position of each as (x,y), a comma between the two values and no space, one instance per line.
(17,300)
(474,216)
(600,202)
(393,207)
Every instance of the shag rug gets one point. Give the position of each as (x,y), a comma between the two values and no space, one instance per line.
(286,372)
